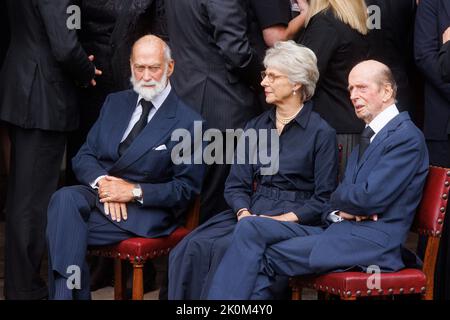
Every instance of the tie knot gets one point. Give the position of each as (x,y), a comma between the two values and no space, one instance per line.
(146,106)
(367,132)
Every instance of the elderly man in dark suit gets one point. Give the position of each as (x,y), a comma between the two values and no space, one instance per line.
(131,184)
(432,19)
(38,101)
(368,216)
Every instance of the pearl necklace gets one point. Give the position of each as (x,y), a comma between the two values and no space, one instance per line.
(285,121)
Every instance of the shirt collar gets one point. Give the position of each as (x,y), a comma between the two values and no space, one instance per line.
(383,118)
(160,98)
(301,118)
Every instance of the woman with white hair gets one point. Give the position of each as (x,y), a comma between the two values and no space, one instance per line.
(293,194)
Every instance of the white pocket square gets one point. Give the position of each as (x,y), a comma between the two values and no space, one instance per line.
(161,147)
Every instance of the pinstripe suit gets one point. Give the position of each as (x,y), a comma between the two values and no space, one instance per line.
(76,218)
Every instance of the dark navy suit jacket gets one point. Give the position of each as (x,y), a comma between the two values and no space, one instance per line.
(387,181)
(432,19)
(167,188)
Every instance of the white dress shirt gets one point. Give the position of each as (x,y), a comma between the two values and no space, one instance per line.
(156,101)
(382,119)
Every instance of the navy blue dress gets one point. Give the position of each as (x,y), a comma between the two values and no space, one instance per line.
(306,176)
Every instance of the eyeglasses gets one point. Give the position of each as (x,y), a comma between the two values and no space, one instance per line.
(270,76)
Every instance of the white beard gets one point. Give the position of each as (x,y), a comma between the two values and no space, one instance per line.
(149,93)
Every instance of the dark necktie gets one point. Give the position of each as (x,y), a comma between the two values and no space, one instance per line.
(364,140)
(137,128)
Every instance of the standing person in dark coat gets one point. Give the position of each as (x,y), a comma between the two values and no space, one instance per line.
(433,18)
(336,31)
(392,44)
(218,47)
(38,101)
(306,151)
(444,56)
(4,140)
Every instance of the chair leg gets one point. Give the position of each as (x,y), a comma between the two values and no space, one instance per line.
(119,280)
(138,281)
(296,293)
(427,296)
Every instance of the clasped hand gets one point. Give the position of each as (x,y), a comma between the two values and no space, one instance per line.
(348,216)
(115,193)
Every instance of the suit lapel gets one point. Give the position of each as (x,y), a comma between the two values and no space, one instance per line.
(156,130)
(120,123)
(380,137)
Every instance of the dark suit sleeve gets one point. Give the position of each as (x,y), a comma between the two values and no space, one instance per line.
(85,164)
(64,42)
(444,61)
(185,184)
(386,181)
(239,184)
(427,44)
(270,13)
(325,178)
(229,20)
(320,37)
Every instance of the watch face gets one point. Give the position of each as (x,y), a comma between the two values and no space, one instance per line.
(137,192)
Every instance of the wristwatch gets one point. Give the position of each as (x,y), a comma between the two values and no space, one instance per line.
(137,193)
(333,217)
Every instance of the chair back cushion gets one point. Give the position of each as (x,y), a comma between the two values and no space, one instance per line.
(429,217)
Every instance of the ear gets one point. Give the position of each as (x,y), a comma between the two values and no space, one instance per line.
(388,92)
(170,67)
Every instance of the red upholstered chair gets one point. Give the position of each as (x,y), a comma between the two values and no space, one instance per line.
(138,250)
(428,221)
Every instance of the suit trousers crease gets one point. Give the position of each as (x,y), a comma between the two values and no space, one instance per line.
(36,157)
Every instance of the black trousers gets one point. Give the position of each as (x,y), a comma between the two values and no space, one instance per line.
(36,157)
(440,156)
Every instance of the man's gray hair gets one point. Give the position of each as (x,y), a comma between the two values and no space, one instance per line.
(167,53)
(297,62)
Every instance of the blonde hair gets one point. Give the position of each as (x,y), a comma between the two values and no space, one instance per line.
(351,12)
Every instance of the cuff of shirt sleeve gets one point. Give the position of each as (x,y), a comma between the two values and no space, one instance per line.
(94,184)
